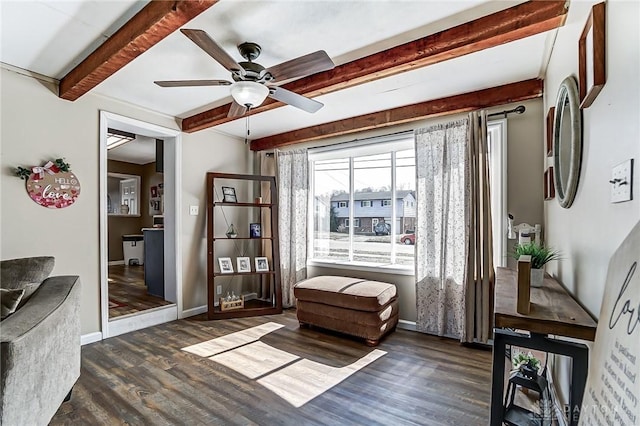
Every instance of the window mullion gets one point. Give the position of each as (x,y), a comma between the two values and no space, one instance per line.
(351,208)
(393,208)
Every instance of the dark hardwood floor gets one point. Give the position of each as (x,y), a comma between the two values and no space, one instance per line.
(128,291)
(144,378)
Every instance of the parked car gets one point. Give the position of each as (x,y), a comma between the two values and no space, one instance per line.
(382,228)
(408,239)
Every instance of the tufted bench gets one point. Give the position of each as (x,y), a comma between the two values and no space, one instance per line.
(362,308)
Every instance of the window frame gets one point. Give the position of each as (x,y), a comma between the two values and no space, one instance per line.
(379,145)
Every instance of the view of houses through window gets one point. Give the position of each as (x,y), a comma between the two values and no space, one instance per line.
(364,200)
(364,205)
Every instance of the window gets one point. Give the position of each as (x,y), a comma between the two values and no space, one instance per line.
(365,172)
(497,141)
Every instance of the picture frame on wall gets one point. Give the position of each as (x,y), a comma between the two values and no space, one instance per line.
(550,117)
(262,264)
(226,266)
(243,264)
(549,187)
(591,56)
(229,195)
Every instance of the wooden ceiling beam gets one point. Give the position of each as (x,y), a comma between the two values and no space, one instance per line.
(154,22)
(495,96)
(517,22)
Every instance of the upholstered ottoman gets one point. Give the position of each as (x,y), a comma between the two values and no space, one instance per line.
(362,308)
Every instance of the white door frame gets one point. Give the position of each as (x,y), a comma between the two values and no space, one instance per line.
(498,153)
(172,220)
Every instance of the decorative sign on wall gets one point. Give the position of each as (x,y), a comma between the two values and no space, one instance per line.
(612,395)
(52,185)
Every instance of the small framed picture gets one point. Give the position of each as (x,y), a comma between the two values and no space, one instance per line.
(229,195)
(243,264)
(262,264)
(226,266)
(255,230)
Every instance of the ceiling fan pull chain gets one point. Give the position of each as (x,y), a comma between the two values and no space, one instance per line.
(246,139)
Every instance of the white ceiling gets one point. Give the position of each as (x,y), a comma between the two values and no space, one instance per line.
(50,37)
(141,150)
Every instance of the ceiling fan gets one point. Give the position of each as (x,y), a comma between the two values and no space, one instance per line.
(252,82)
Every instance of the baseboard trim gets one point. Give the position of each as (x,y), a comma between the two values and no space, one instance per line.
(116,262)
(144,319)
(194,311)
(85,339)
(407,325)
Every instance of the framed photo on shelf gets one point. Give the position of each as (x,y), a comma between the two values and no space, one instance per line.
(591,56)
(262,264)
(226,266)
(255,230)
(243,264)
(229,194)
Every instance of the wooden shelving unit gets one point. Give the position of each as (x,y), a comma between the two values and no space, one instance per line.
(268,282)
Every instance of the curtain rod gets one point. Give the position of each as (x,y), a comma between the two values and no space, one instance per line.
(517,110)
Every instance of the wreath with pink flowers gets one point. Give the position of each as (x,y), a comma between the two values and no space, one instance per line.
(52,185)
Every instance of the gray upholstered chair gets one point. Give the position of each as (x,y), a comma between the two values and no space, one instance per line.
(40,340)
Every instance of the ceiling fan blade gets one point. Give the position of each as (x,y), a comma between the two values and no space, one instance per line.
(207,44)
(187,83)
(293,99)
(236,110)
(302,66)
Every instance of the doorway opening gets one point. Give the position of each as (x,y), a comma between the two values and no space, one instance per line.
(140,264)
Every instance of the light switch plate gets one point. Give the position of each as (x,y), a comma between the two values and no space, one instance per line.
(621,182)
(193,210)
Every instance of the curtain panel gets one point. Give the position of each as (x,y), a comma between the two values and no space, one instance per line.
(480,274)
(454,243)
(442,229)
(292,182)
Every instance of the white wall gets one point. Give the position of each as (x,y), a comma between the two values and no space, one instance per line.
(37,126)
(202,152)
(590,231)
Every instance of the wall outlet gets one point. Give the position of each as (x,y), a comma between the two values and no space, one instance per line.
(621,180)
(193,210)
(219,289)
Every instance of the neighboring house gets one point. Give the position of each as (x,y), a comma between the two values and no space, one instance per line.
(372,208)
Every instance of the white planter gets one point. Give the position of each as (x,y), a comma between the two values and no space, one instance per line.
(537,277)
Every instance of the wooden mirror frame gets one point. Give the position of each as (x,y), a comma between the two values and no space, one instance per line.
(567,94)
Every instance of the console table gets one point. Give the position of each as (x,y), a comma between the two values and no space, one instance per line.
(553,312)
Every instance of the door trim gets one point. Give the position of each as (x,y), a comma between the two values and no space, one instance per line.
(172,219)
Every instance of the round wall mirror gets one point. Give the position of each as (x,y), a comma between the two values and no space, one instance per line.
(567,142)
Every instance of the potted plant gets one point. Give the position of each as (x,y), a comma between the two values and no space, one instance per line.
(540,255)
(527,364)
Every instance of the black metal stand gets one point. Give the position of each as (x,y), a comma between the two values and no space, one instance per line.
(577,351)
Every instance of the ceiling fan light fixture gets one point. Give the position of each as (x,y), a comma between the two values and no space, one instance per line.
(249,93)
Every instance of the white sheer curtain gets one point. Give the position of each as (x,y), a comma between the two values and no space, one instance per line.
(442,229)
(454,246)
(292,180)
